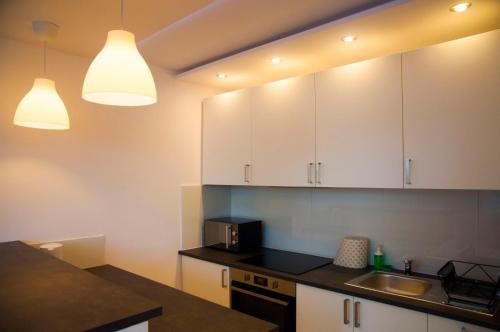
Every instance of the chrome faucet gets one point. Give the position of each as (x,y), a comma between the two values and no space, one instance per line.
(407,262)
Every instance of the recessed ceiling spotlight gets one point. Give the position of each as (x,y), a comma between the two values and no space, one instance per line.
(460,7)
(221,75)
(276,60)
(348,39)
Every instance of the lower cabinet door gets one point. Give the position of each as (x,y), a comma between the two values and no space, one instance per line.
(319,310)
(440,324)
(370,316)
(206,280)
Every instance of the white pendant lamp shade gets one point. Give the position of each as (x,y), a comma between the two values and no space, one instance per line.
(42,107)
(119,75)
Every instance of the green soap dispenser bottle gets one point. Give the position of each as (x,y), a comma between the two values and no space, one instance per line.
(378,258)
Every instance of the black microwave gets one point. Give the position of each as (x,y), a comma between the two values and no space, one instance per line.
(232,234)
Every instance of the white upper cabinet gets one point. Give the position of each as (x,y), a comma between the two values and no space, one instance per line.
(451,111)
(429,118)
(359,125)
(283,133)
(227,138)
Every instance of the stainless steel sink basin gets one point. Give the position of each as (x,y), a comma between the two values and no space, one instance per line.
(395,283)
(419,288)
(400,284)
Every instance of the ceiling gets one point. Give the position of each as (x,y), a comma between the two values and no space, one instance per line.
(197,39)
(229,26)
(391,28)
(84,23)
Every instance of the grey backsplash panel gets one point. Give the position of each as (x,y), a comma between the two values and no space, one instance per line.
(429,226)
(216,201)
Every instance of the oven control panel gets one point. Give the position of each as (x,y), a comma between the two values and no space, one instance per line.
(263,281)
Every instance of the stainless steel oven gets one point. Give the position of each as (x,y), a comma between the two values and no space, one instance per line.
(264,297)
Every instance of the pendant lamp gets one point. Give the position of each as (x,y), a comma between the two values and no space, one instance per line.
(42,107)
(119,75)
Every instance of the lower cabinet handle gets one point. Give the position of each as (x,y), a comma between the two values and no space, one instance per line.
(346,312)
(318,173)
(356,314)
(247,173)
(223,284)
(408,171)
(310,168)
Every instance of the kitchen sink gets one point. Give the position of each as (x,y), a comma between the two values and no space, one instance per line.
(400,284)
(395,283)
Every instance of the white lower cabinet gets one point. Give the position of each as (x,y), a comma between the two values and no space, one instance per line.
(206,280)
(440,324)
(321,310)
(377,317)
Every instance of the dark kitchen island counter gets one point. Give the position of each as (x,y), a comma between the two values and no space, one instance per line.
(39,292)
(333,278)
(183,312)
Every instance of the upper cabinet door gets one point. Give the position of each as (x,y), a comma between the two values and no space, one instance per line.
(359,125)
(451,108)
(283,133)
(227,139)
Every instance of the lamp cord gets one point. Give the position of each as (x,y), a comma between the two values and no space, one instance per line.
(121,14)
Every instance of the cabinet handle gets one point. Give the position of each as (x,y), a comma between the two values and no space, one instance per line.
(247,173)
(346,312)
(318,172)
(408,171)
(223,284)
(310,170)
(356,314)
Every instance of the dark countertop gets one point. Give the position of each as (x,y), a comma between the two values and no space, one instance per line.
(183,312)
(332,277)
(39,292)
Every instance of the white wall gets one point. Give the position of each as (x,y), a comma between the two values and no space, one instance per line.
(430,226)
(116,171)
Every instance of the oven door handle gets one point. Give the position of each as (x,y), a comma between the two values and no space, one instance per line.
(260,296)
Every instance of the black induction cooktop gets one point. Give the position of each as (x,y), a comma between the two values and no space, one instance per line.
(286,261)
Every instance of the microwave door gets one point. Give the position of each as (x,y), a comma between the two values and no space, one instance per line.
(218,235)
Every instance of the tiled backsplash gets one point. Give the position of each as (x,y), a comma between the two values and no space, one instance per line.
(429,226)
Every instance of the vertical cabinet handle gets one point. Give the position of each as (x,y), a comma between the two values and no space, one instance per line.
(246,175)
(408,170)
(318,172)
(346,312)
(222,278)
(356,314)
(310,170)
